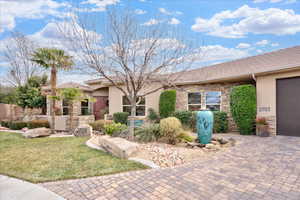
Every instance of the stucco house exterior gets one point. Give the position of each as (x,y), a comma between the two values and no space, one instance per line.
(276,76)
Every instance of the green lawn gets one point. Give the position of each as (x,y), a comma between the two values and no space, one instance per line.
(50,159)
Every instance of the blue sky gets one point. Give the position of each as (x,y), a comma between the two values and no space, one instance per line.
(227,29)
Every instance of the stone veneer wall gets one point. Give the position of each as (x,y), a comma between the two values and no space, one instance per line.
(225,88)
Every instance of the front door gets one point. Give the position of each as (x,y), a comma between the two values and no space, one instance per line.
(288,106)
(100,107)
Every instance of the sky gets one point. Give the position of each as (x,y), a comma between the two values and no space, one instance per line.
(225,29)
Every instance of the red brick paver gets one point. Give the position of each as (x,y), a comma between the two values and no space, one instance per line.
(256,168)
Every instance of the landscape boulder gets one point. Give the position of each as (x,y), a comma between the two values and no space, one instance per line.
(83,130)
(37,132)
(119,147)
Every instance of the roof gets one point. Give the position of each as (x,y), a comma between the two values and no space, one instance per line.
(242,68)
(246,67)
(71,85)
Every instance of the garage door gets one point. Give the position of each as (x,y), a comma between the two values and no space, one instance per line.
(288,106)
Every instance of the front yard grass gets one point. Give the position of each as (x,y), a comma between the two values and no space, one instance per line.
(51,159)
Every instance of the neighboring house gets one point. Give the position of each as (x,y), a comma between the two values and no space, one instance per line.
(276,76)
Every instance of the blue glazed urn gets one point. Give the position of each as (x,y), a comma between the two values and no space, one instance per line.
(205,122)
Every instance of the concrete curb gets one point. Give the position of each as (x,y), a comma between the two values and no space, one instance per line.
(15,189)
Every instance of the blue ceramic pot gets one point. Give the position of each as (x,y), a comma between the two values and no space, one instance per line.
(205,122)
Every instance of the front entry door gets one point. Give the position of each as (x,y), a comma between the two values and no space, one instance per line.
(100,106)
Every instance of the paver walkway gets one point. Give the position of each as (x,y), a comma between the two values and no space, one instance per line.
(256,168)
(15,189)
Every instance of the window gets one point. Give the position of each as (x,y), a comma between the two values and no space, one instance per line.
(213,100)
(140,108)
(85,107)
(194,101)
(65,107)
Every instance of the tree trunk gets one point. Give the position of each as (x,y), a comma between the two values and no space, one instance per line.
(53,94)
(71,106)
(132,119)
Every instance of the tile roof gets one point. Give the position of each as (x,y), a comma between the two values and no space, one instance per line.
(71,85)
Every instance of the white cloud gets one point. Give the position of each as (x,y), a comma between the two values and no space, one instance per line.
(166,12)
(259,51)
(140,11)
(11,10)
(218,53)
(100,6)
(275,1)
(151,22)
(275,44)
(247,20)
(262,43)
(243,46)
(174,21)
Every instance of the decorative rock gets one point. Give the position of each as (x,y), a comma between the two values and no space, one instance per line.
(37,132)
(215,142)
(212,147)
(194,144)
(222,141)
(83,130)
(117,146)
(25,129)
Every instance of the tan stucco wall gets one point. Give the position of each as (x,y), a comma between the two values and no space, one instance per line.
(115,99)
(266,95)
(100,92)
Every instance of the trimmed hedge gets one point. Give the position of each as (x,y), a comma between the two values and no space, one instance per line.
(220,122)
(153,115)
(120,117)
(18,125)
(99,124)
(184,116)
(243,107)
(167,101)
(189,119)
(38,124)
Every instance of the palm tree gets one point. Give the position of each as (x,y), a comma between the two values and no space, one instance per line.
(54,59)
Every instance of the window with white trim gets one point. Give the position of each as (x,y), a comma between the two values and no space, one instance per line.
(194,101)
(140,107)
(213,100)
(85,109)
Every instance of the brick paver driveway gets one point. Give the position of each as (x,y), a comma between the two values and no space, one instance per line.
(256,168)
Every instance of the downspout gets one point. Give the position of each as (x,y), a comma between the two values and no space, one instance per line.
(253,77)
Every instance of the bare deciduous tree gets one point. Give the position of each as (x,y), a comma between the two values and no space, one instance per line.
(17,53)
(136,59)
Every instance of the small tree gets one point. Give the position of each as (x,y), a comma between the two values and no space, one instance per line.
(167,102)
(53,59)
(243,107)
(72,95)
(138,60)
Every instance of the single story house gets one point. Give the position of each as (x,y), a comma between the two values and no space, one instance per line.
(276,76)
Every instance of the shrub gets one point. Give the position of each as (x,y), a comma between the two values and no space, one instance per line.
(99,124)
(153,115)
(184,117)
(120,117)
(170,128)
(5,124)
(167,101)
(220,122)
(148,133)
(193,123)
(112,128)
(38,124)
(243,107)
(17,125)
(185,137)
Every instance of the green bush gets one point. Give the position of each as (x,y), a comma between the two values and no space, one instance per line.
(99,124)
(148,133)
(5,124)
(153,115)
(120,117)
(167,101)
(220,122)
(38,124)
(17,125)
(113,128)
(184,116)
(170,128)
(243,107)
